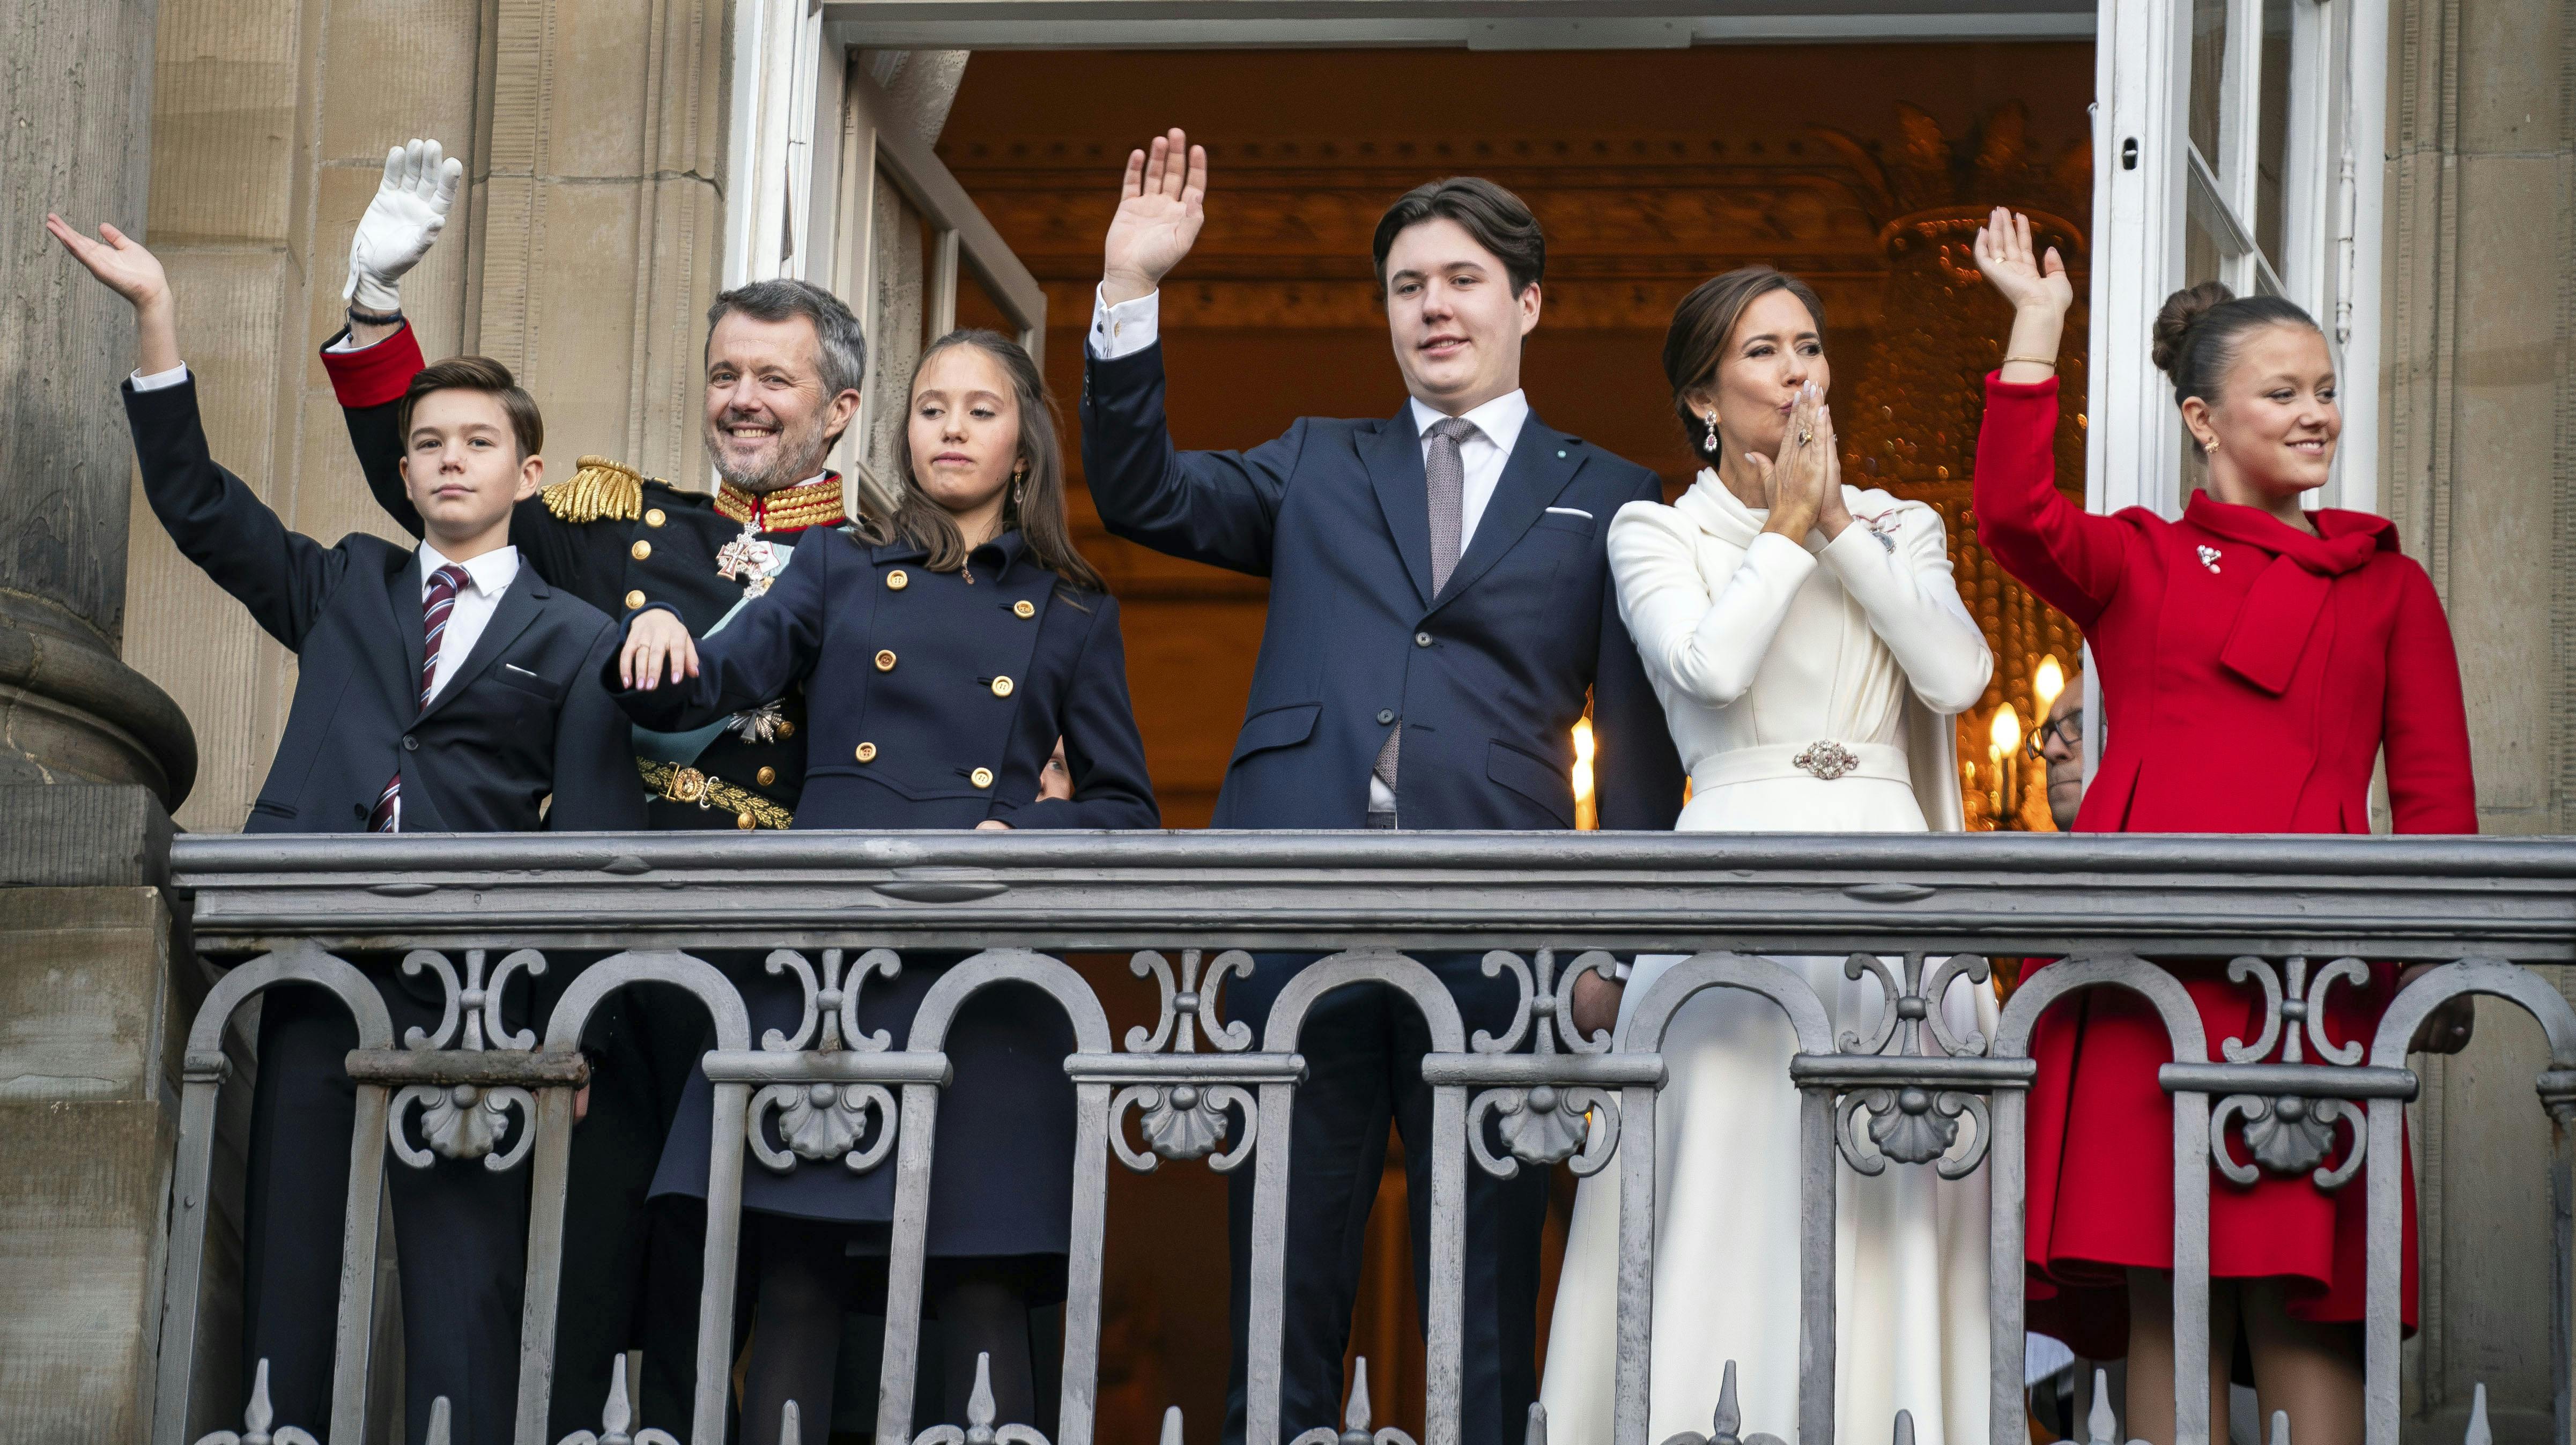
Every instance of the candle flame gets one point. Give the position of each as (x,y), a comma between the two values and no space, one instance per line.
(1584,748)
(2005,730)
(2047,682)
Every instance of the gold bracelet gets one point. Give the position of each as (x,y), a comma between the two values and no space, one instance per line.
(2048,361)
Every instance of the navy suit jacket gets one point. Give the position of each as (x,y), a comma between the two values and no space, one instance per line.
(1487,677)
(522,717)
(933,700)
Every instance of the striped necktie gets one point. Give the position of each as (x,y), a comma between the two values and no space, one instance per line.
(436,605)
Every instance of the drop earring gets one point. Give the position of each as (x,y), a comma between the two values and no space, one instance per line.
(1710,447)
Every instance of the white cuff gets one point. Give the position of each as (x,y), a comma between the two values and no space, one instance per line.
(1126,328)
(161,379)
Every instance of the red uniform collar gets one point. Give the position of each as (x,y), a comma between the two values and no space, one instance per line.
(789,509)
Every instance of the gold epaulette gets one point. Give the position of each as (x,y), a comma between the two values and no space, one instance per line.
(601,489)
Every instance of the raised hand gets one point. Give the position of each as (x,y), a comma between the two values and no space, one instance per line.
(122,265)
(2037,287)
(656,642)
(2005,254)
(1160,209)
(401,223)
(118,261)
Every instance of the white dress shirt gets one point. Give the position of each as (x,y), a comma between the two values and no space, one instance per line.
(486,577)
(1131,326)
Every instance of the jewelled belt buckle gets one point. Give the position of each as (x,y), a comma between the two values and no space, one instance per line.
(687,785)
(1825,760)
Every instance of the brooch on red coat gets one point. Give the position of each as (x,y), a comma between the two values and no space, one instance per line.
(2209,556)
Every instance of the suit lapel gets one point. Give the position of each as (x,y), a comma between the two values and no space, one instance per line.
(1394,461)
(518,608)
(1536,472)
(403,591)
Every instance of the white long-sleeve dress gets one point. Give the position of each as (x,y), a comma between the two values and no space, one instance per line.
(1759,647)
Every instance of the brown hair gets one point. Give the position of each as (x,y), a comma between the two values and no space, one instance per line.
(1035,504)
(1703,324)
(2200,329)
(1499,220)
(476,373)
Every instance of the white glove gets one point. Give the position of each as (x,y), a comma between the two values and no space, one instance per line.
(401,223)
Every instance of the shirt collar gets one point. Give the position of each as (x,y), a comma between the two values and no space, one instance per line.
(490,573)
(1500,419)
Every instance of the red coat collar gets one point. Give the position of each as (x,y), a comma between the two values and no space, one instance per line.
(2345,540)
(2279,613)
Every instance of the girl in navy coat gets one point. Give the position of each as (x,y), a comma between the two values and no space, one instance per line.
(944,651)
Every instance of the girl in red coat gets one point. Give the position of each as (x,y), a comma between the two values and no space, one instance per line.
(2255,660)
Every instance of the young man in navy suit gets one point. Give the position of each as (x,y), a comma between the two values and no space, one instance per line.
(443,688)
(1440,606)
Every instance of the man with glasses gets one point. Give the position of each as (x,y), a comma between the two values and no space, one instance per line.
(2059,741)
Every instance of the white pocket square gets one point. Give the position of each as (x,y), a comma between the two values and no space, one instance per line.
(1571,512)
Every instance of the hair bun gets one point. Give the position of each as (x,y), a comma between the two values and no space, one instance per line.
(2173,325)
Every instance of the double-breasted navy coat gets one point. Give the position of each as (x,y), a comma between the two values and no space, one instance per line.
(935,699)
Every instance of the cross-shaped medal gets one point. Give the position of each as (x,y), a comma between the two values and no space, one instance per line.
(746,559)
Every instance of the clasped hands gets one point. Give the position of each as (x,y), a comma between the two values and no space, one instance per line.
(1803,487)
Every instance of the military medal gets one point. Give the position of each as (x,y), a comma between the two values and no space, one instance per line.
(747,559)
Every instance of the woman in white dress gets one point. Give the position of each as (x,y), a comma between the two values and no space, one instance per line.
(1777,609)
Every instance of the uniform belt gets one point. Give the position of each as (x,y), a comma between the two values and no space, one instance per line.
(1825,760)
(689,785)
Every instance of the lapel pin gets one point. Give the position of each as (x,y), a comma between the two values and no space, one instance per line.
(2209,556)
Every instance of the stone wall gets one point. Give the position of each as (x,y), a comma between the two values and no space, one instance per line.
(92,1025)
(582,253)
(2479,470)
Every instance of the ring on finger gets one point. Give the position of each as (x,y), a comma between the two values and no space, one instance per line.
(1806,434)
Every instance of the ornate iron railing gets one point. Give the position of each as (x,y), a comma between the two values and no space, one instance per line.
(836,910)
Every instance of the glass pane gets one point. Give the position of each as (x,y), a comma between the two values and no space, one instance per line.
(976,306)
(894,317)
(2208,71)
(2206,237)
(2273,141)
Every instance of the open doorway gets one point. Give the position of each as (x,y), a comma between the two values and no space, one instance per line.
(1860,167)
(1856,166)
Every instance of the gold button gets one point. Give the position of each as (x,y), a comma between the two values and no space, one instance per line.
(786,729)
(634,600)
(744,822)
(766,776)
(867,752)
(1001,687)
(981,777)
(654,518)
(640,551)
(885,660)
(1025,608)
(897,580)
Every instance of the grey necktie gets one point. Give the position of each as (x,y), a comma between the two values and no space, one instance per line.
(1444,475)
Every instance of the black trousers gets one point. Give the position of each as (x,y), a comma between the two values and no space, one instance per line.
(460,1230)
(1363,1048)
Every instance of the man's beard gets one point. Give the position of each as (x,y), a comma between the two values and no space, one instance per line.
(800,454)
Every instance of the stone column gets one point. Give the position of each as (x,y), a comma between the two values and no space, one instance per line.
(74,138)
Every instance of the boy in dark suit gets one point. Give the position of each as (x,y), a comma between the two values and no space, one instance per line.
(443,688)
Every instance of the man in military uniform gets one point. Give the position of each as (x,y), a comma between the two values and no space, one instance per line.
(784,364)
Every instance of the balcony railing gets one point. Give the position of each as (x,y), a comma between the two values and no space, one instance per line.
(1914,912)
